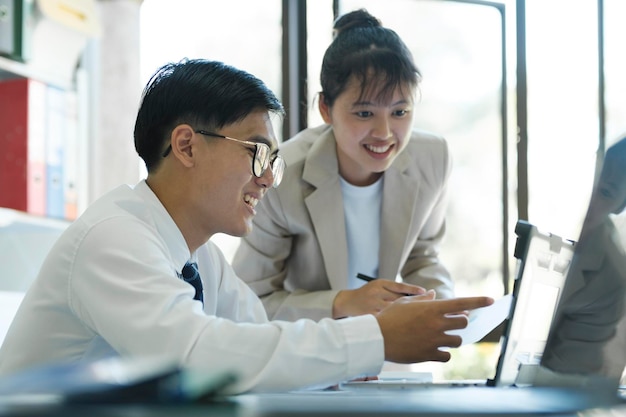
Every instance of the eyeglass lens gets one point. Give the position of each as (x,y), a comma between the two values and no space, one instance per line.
(278,168)
(261,159)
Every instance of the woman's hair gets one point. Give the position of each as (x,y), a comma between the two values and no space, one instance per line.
(374,55)
(206,94)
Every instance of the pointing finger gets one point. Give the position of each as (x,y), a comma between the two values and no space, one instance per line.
(465,303)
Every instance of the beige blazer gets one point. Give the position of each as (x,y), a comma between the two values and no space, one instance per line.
(296,258)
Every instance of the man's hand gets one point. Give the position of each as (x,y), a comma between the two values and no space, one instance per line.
(372,297)
(414,328)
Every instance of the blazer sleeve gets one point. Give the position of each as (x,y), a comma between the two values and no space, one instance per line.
(424,268)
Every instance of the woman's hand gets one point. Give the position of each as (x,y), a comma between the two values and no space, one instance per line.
(372,297)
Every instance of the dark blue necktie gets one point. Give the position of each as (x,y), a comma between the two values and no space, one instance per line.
(192,276)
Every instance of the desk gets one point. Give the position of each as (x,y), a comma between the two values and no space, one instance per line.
(442,402)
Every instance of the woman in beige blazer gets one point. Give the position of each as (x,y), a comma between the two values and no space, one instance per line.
(304,248)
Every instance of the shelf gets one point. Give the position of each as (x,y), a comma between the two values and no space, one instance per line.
(15,69)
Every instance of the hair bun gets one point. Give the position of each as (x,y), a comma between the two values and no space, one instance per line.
(356,19)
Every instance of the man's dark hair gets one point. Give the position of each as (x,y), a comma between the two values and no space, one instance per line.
(202,93)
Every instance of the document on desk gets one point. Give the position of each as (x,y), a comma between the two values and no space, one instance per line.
(483,320)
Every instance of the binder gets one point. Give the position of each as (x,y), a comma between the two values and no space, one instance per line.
(71,156)
(22,139)
(13,142)
(15,18)
(55,133)
(36,166)
(7,35)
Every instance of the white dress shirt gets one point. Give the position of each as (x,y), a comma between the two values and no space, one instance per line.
(109,287)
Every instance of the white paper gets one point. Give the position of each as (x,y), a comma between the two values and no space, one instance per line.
(483,320)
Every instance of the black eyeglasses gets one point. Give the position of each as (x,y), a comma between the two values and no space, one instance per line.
(262,159)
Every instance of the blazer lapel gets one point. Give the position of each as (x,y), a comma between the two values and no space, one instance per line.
(400,192)
(325,206)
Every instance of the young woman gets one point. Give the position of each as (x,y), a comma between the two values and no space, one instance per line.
(362,194)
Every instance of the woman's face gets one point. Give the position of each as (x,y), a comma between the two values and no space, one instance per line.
(370,131)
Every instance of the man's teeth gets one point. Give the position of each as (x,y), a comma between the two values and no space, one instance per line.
(250,200)
(378,149)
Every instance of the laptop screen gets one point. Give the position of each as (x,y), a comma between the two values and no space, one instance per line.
(588,334)
(543,260)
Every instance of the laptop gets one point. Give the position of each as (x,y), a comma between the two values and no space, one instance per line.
(542,262)
(566,325)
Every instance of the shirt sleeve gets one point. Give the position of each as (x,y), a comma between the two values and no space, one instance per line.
(126,293)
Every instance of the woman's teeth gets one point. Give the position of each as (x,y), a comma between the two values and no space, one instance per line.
(378,149)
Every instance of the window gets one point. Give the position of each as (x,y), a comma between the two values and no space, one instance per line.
(244,33)
(458,49)
(562,71)
(614,69)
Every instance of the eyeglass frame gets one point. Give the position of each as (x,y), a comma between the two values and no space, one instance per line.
(259,149)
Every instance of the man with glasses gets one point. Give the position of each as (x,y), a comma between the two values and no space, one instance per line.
(137,276)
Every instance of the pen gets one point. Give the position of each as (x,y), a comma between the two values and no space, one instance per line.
(365,277)
(368,279)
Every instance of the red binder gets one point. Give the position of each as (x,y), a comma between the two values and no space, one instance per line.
(22,178)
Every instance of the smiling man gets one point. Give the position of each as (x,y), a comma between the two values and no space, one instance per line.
(123,279)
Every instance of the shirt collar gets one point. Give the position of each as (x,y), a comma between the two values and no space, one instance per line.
(167,228)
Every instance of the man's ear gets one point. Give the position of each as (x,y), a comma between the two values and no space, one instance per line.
(182,141)
(324,109)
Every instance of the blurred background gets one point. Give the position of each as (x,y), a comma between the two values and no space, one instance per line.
(528,94)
